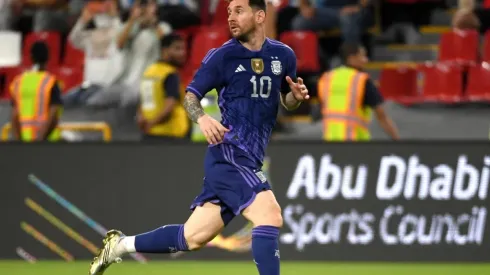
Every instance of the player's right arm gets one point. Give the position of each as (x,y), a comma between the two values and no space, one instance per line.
(208,77)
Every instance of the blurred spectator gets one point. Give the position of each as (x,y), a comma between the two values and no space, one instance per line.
(95,33)
(345,117)
(34,118)
(483,14)
(139,42)
(49,15)
(271,18)
(178,13)
(465,17)
(5,14)
(348,15)
(161,115)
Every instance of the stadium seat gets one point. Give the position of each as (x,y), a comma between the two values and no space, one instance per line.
(52,39)
(10,48)
(400,85)
(459,46)
(68,77)
(73,56)
(442,82)
(221,14)
(305,45)
(203,42)
(478,88)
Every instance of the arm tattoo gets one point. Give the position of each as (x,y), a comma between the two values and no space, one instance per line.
(193,107)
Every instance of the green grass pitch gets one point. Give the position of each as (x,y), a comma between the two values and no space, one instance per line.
(243,268)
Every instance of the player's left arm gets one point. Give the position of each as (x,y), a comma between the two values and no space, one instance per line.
(55,104)
(292,93)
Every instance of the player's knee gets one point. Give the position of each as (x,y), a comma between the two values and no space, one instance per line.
(275,217)
(195,240)
(271,216)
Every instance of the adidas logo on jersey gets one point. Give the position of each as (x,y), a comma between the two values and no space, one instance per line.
(240,69)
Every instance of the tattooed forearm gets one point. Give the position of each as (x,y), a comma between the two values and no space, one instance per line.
(193,107)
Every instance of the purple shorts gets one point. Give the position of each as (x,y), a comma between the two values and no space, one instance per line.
(232,180)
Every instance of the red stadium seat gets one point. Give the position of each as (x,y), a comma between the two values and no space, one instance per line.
(73,56)
(442,82)
(221,14)
(459,46)
(305,45)
(478,88)
(203,42)
(52,39)
(68,77)
(400,85)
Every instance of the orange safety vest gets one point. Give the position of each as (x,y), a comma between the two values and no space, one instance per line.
(31,92)
(341,93)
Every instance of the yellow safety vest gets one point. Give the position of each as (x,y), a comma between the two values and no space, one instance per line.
(152,95)
(341,93)
(31,92)
(210,105)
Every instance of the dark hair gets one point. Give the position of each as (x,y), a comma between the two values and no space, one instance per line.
(348,50)
(170,39)
(39,53)
(257,4)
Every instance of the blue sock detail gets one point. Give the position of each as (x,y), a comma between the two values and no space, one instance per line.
(265,249)
(166,239)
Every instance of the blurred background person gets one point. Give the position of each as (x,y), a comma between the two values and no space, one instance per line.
(6,10)
(49,15)
(95,34)
(161,116)
(348,15)
(36,101)
(138,40)
(465,17)
(348,97)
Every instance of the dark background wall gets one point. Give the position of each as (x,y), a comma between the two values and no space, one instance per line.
(366,202)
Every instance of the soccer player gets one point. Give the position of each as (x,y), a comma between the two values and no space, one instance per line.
(252,74)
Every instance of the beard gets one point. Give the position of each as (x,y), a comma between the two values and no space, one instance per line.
(245,36)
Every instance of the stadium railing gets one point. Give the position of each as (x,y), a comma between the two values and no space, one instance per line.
(101,127)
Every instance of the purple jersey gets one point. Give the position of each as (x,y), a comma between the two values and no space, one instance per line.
(249,83)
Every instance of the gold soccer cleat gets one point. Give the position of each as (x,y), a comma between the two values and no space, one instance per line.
(107,255)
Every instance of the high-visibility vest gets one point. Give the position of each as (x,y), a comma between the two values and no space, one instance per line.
(345,118)
(31,92)
(152,95)
(210,105)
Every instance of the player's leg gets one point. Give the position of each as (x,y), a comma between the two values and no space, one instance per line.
(265,214)
(202,226)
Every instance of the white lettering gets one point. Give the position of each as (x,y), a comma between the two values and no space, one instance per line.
(332,180)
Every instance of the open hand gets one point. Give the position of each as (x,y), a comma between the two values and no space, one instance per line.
(299,90)
(212,129)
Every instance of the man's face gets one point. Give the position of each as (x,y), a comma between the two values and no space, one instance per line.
(360,59)
(177,53)
(241,19)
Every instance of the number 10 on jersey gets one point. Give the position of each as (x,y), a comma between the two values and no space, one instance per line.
(263,81)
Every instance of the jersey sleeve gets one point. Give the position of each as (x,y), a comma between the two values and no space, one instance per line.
(209,75)
(290,70)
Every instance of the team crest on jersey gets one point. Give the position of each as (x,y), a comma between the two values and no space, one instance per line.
(258,65)
(276,67)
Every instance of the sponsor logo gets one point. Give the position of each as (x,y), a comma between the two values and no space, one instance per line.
(387,188)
